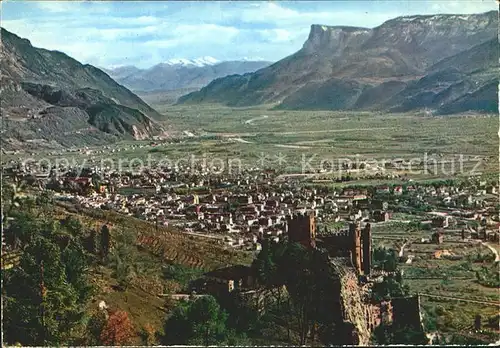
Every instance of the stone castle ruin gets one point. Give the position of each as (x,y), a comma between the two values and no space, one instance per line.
(355,244)
(350,255)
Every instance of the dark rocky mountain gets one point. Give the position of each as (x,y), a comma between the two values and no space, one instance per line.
(453,83)
(376,96)
(50,98)
(484,99)
(334,94)
(180,75)
(480,57)
(407,63)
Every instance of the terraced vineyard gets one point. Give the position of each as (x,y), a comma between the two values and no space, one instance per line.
(10,259)
(162,246)
(169,243)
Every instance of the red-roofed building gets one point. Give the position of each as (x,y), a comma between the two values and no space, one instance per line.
(398,190)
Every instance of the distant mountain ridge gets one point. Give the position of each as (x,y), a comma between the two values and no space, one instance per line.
(199,62)
(397,66)
(178,74)
(49,98)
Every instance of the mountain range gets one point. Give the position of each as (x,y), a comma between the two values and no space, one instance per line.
(50,99)
(180,74)
(440,63)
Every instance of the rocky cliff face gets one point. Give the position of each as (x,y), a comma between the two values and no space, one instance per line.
(352,305)
(335,40)
(351,68)
(478,58)
(429,39)
(39,85)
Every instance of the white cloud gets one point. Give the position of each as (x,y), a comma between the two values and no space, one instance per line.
(463,7)
(185,34)
(268,12)
(49,34)
(146,20)
(203,30)
(56,6)
(61,6)
(162,43)
(282,35)
(123,33)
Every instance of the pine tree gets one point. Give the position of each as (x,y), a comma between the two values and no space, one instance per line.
(41,306)
(200,322)
(105,241)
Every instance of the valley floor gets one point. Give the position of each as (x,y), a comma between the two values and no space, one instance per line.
(312,142)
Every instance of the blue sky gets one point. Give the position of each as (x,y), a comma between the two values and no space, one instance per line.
(145,33)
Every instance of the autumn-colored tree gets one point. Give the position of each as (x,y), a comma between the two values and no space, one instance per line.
(118,329)
(148,334)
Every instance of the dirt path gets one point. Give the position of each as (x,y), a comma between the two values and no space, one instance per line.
(401,252)
(292,146)
(182,296)
(461,299)
(202,235)
(188,133)
(240,140)
(493,249)
(336,130)
(232,135)
(251,121)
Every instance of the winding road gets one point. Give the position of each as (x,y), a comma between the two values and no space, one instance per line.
(495,303)
(250,122)
(240,140)
(401,252)
(493,249)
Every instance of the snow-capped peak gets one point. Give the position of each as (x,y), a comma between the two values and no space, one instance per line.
(433,17)
(202,61)
(207,60)
(118,66)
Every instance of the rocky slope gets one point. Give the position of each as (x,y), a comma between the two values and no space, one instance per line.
(50,98)
(180,74)
(407,63)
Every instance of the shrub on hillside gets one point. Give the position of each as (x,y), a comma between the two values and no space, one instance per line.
(118,329)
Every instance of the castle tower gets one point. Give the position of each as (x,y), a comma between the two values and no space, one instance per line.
(355,235)
(367,249)
(406,312)
(302,229)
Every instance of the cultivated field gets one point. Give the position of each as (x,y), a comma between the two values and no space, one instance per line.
(448,284)
(298,141)
(289,139)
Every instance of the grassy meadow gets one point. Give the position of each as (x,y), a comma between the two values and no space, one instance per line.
(287,139)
